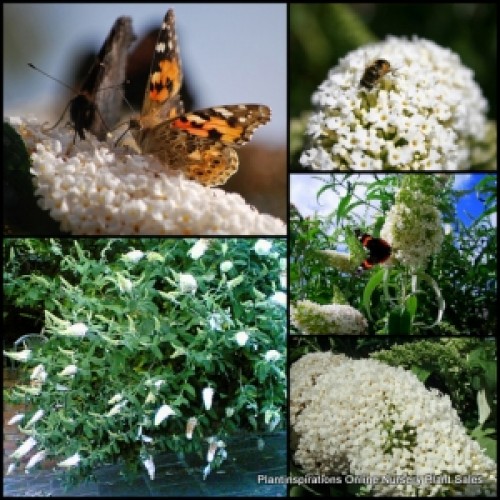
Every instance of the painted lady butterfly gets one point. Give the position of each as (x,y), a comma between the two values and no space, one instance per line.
(198,143)
(97,105)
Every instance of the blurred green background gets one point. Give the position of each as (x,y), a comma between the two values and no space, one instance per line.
(322,33)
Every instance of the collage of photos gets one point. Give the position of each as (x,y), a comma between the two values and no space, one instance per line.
(250,250)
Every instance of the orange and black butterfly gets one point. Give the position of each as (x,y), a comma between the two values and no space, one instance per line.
(379,250)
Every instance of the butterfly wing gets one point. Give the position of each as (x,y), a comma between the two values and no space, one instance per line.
(97,106)
(113,65)
(162,99)
(200,143)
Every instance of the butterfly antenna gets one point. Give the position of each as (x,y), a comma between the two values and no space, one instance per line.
(32,66)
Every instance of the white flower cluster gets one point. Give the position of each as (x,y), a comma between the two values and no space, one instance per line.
(339,260)
(96,189)
(303,375)
(424,114)
(413,225)
(365,418)
(313,319)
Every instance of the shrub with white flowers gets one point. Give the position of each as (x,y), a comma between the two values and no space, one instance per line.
(370,420)
(426,113)
(180,361)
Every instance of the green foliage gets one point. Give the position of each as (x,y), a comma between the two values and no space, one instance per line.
(457,287)
(458,367)
(151,340)
(22,215)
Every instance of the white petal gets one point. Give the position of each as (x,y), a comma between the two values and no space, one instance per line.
(163,412)
(10,470)
(116,409)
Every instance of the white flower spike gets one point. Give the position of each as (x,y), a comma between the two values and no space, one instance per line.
(190,426)
(69,371)
(241,338)
(19,356)
(71,461)
(15,419)
(187,283)
(211,451)
(198,249)
(36,417)
(280,299)
(226,266)
(163,412)
(39,374)
(263,247)
(133,256)
(207,395)
(150,467)
(38,457)
(76,330)
(316,319)
(26,447)
(272,355)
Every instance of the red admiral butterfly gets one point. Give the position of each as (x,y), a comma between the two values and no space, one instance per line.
(379,250)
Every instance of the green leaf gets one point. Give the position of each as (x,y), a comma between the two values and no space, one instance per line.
(411,305)
(399,322)
(156,351)
(370,287)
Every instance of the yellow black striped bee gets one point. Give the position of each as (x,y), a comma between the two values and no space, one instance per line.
(374,72)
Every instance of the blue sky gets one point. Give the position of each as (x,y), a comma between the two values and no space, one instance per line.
(232,53)
(469,205)
(303,189)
